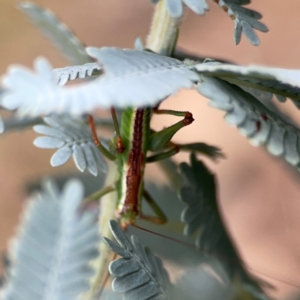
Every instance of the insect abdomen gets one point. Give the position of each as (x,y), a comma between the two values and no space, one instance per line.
(133,163)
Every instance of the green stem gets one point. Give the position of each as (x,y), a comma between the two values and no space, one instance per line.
(162,39)
(164,31)
(108,206)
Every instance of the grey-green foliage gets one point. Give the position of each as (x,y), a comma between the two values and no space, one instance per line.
(253,119)
(63,75)
(282,83)
(72,138)
(57,31)
(123,78)
(139,274)
(144,79)
(202,148)
(202,215)
(55,243)
(245,19)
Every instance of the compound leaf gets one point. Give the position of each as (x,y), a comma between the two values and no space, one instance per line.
(203,148)
(281,82)
(253,119)
(51,254)
(245,19)
(200,194)
(63,75)
(139,274)
(175,7)
(72,138)
(57,31)
(131,78)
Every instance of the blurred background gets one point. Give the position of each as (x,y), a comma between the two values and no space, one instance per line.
(259,194)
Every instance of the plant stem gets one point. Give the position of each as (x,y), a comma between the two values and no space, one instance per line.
(162,39)
(164,31)
(108,204)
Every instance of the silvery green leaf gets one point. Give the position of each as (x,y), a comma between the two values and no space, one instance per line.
(138,44)
(281,82)
(140,71)
(202,213)
(183,54)
(63,75)
(24,86)
(52,251)
(120,236)
(261,95)
(205,149)
(56,31)
(139,274)
(245,20)
(72,137)
(131,78)
(236,6)
(116,248)
(254,120)
(123,267)
(175,7)
(61,156)
(197,6)
(13,123)
(2,126)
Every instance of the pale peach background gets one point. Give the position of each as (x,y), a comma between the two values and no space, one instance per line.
(259,195)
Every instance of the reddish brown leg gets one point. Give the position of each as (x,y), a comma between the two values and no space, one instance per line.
(102,149)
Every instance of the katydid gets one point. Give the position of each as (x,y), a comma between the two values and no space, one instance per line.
(134,139)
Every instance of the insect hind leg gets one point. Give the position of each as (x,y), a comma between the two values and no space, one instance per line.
(160,217)
(161,140)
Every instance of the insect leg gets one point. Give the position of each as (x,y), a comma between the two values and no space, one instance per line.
(159,140)
(172,112)
(163,155)
(101,148)
(100,193)
(160,216)
(119,146)
(93,198)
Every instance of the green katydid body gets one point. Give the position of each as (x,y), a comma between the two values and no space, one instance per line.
(135,132)
(136,140)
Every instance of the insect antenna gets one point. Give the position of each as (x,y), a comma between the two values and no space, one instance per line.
(250,266)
